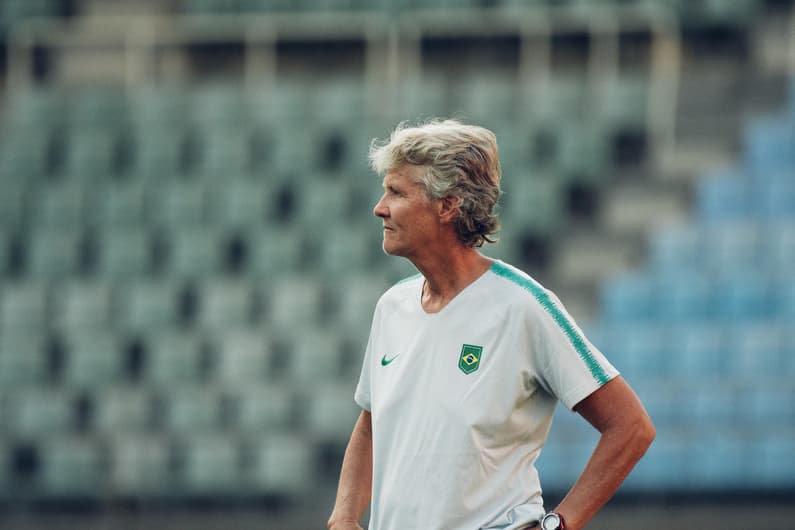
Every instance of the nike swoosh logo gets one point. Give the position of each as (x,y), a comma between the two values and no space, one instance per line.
(385,361)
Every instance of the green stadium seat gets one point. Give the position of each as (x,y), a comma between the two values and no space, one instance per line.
(191,410)
(218,104)
(294,301)
(13,210)
(315,355)
(223,150)
(193,253)
(96,107)
(424,98)
(93,359)
(118,204)
(355,296)
(238,204)
(331,413)
(173,357)
(39,412)
(242,356)
(123,252)
(275,250)
(23,306)
(225,303)
(157,149)
(261,409)
(122,410)
(83,305)
(23,359)
(72,468)
(54,253)
(177,203)
(282,465)
(345,248)
(622,102)
(148,306)
(141,467)
(90,154)
(534,202)
(24,154)
(212,466)
(61,205)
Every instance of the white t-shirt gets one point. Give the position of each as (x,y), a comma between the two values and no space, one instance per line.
(462,400)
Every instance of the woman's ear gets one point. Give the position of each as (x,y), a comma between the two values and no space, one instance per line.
(449,208)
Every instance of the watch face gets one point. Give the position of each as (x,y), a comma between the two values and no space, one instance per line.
(551,521)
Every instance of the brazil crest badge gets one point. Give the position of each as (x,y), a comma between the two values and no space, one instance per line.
(469,360)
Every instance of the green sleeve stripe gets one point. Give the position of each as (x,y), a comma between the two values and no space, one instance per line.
(565,324)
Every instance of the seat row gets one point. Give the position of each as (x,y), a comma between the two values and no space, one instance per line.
(157,467)
(321,410)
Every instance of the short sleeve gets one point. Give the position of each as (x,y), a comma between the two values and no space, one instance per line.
(570,367)
(362,396)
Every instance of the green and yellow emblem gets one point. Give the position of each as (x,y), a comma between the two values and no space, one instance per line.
(469,361)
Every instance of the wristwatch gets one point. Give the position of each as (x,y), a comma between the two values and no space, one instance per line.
(552,521)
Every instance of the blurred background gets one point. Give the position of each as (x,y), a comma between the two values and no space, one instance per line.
(189,262)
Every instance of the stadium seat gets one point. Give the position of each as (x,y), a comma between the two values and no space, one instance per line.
(340,249)
(36,412)
(627,298)
(676,248)
(241,356)
(83,305)
(123,253)
(223,150)
(275,250)
(192,253)
(314,355)
(13,205)
(191,409)
(697,351)
(355,297)
(637,349)
(212,466)
(723,196)
(282,464)
(148,306)
(90,154)
(772,455)
(239,204)
(718,460)
(54,253)
(173,357)
(141,467)
(122,409)
(23,359)
(261,409)
(23,306)
(776,198)
(157,149)
(756,350)
(59,205)
(732,248)
(119,204)
(684,296)
(768,145)
(295,301)
(534,202)
(664,465)
(331,412)
(225,303)
(744,298)
(72,467)
(177,203)
(93,359)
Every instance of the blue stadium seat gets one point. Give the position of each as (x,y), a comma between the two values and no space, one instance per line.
(696,351)
(717,460)
(627,298)
(776,198)
(676,248)
(732,247)
(664,465)
(778,249)
(684,296)
(743,298)
(774,458)
(637,349)
(756,350)
(768,145)
(723,196)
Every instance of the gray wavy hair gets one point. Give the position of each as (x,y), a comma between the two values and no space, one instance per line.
(460,160)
